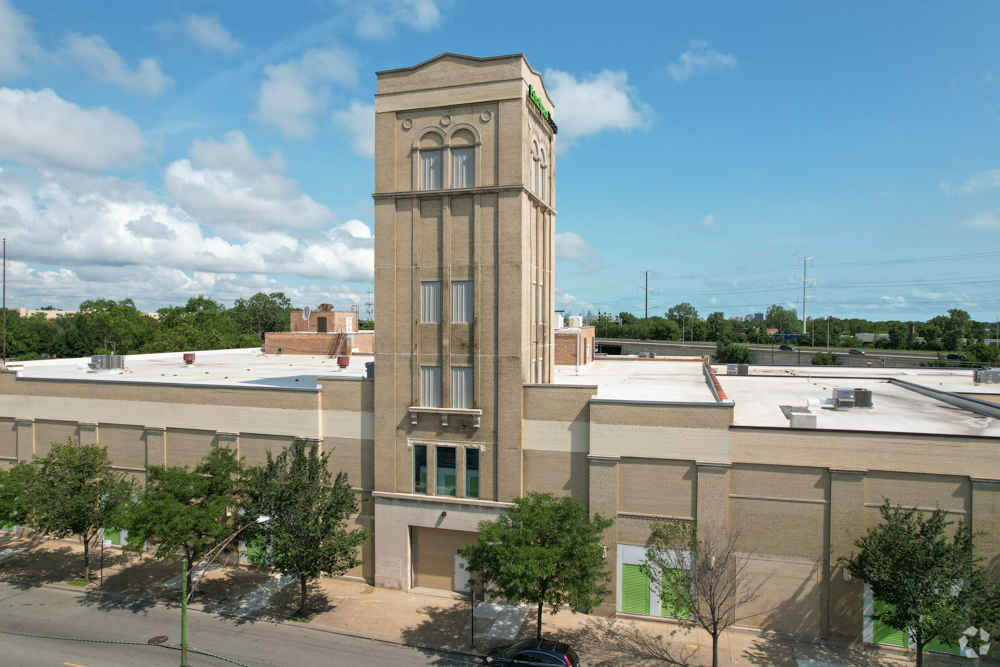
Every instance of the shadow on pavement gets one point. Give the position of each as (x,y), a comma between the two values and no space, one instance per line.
(135,586)
(43,562)
(603,642)
(278,605)
(446,627)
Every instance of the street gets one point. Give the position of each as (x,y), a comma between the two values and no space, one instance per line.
(51,612)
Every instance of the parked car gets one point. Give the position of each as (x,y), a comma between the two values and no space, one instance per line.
(533,652)
(787,348)
(857,351)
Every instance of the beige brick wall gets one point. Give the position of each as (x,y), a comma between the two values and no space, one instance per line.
(558,473)
(558,403)
(8,438)
(658,487)
(355,457)
(328,344)
(126,444)
(253,447)
(48,431)
(707,416)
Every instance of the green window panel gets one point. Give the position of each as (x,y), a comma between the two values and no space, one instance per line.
(940,647)
(635,590)
(113,534)
(672,605)
(883,634)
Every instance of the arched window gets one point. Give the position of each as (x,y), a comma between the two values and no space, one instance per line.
(533,167)
(446,160)
(543,175)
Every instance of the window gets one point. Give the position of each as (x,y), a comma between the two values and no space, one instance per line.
(461,301)
(534,303)
(542,189)
(446,471)
(349,324)
(430,386)
(321,325)
(431,170)
(420,468)
(471,472)
(461,387)
(430,301)
(462,174)
(531,168)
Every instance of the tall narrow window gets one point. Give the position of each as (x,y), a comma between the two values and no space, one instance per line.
(420,468)
(446,471)
(545,180)
(430,301)
(431,170)
(430,386)
(534,303)
(462,171)
(461,387)
(461,301)
(471,472)
(533,170)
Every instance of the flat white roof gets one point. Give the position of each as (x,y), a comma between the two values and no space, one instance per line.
(234,368)
(642,380)
(758,398)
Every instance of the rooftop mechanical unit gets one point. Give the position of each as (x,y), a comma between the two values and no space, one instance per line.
(844,399)
(987,376)
(107,362)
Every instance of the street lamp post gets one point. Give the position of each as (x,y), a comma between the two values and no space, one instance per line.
(185,594)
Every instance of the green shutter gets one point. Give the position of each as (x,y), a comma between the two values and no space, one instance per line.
(883,634)
(635,590)
(113,534)
(940,647)
(671,605)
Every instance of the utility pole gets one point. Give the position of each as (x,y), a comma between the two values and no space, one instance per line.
(368,303)
(645,275)
(805,284)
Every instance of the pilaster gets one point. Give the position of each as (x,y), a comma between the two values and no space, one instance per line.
(847,524)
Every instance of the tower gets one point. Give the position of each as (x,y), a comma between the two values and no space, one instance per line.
(464,227)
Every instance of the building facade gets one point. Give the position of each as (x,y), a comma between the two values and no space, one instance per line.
(468,408)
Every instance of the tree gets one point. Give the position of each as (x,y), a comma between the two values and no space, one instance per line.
(782,319)
(72,490)
(703,574)
(681,311)
(307,532)
(109,326)
(826,359)
(13,503)
(184,510)
(261,313)
(718,325)
(544,551)
(929,582)
(730,353)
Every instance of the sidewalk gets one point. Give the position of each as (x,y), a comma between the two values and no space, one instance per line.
(423,618)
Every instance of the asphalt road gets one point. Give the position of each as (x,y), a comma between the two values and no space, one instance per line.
(59,613)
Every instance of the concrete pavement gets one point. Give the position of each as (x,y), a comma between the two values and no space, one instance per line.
(254,605)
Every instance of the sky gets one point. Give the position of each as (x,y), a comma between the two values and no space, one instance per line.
(158,151)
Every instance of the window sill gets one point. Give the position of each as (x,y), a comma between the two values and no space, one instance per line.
(415,412)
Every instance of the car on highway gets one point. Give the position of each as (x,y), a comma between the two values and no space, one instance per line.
(856,351)
(533,652)
(787,348)
(955,357)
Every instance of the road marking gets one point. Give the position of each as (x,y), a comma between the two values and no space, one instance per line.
(73,664)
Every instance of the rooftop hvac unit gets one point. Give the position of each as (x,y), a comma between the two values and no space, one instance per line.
(987,376)
(843,398)
(576,321)
(732,369)
(107,362)
(744,369)
(863,398)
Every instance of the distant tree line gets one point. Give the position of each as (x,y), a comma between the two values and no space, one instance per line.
(954,332)
(104,326)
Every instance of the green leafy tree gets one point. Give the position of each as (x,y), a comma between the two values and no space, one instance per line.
(307,534)
(926,574)
(683,313)
(782,319)
(72,490)
(105,326)
(544,551)
(261,313)
(702,577)
(718,326)
(13,502)
(200,324)
(899,336)
(826,359)
(730,353)
(366,325)
(185,510)
(980,353)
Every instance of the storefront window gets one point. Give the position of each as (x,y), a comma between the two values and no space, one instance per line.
(471,473)
(420,468)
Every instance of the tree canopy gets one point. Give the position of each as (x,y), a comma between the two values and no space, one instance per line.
(544,551)
(307,533)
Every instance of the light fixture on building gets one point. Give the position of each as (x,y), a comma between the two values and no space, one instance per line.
(847,574)
(444,514)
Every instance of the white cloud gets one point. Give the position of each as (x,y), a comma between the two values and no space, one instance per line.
(699,59)
(16,41)
(227,186)
(570,301)
(209,33)
(378,18)
(41,128)
(358,121)
(572,246)
(708,222)
(982,220)
(96,225)
(982,181)
(602,102)
(105,64)
(295,91)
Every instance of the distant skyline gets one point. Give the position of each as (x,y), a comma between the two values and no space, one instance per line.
(223,148)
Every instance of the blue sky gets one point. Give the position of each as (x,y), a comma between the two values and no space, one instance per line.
(160,151)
